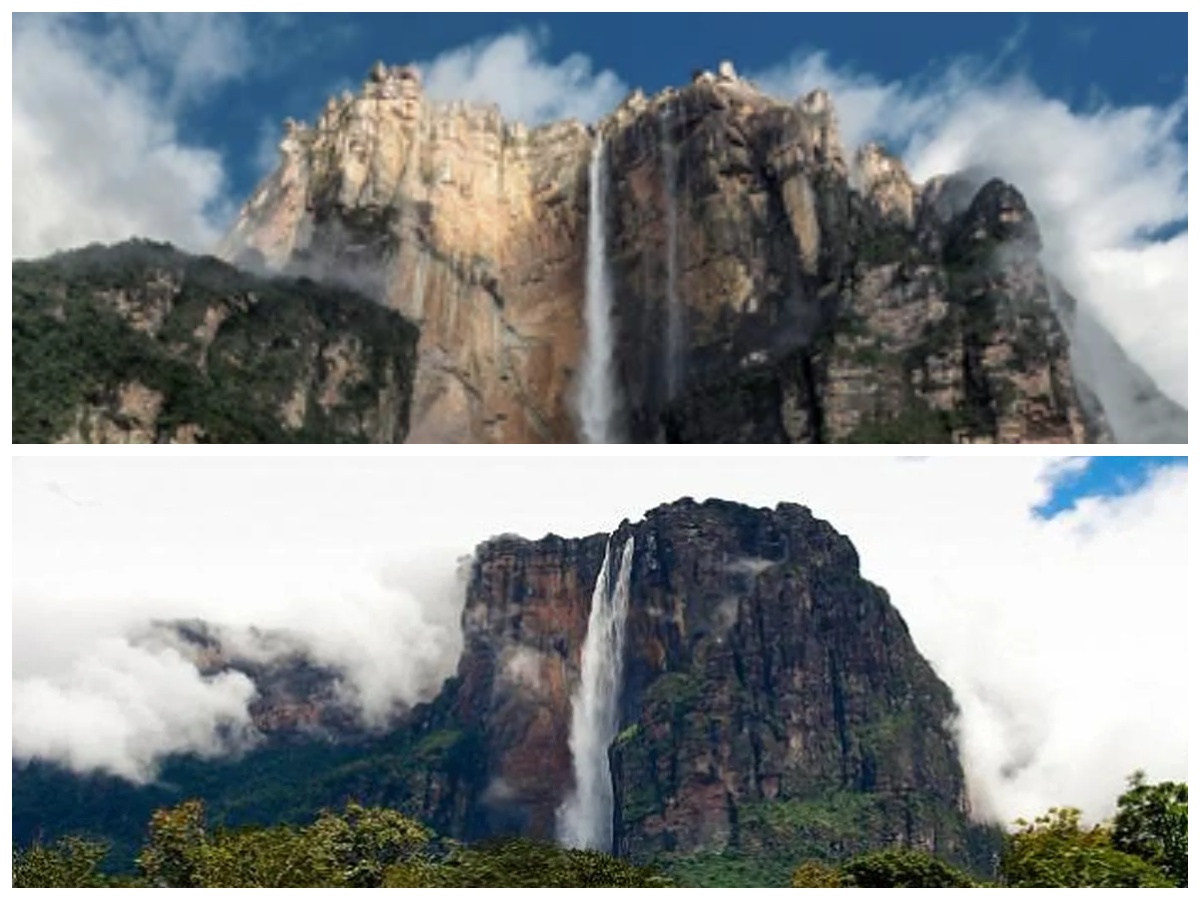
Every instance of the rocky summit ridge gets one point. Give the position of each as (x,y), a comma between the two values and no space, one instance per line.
(767,285)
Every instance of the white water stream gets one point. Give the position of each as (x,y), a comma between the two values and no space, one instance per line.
(585,820)
(597,393)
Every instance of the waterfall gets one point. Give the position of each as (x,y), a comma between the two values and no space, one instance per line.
(598,384)
(585,819)
(674,355)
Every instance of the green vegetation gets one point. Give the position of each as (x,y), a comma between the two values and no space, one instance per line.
(70,862)
(886,244)
(884,869)
(1151,824)
(525,863)
(1145,846)
(628,734)
(1055,850)
(75,345)
(358,847)
(371,846)
(916,424)
(680,691)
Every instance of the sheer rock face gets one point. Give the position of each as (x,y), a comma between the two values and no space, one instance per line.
(818,300)
(470,226)
(763,678)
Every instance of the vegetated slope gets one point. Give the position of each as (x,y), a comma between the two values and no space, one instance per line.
(142,343)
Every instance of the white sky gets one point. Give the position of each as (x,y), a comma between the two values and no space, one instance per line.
(1065,642)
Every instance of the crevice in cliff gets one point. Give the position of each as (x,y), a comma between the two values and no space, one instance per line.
(838,697)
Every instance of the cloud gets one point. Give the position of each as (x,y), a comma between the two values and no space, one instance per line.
(119,708)
(1064,640)
(97,149)
(1106,184)
(512,72)
(102,690)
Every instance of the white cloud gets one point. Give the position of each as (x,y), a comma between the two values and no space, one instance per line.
(119,708)
(512,72)
(1102,182)
(97,153)
(1064,641)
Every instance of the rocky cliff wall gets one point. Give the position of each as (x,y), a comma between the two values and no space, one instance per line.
(768,285)
(773,706)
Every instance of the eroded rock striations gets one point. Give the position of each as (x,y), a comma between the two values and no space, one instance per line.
(767,286)
(139,343)
(774,706)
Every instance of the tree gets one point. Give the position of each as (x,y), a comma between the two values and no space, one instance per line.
(353,848)
(356,848)
(71,861)
(280,856)
(883,869)
(524,863)
(817,875)
(902,868)
(1151,824)
(174,850)
(1055,850)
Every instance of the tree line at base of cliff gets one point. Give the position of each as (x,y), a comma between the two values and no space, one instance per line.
(1145,845)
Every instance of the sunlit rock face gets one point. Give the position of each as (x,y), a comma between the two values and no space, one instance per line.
(767,285)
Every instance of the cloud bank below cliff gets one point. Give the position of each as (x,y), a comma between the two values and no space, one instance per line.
(1064,639)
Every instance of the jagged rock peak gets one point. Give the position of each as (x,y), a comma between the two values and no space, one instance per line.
(997,217)
(885,183)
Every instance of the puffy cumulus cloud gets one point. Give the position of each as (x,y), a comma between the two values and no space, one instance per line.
(1106,183)
(1063,639)
(97,150)
(512,72)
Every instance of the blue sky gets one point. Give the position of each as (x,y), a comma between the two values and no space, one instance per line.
(1103,477)
(1082,59)
(160,125)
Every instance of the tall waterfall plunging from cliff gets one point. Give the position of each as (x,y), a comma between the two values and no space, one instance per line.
(585,820)
(674,360)
(597,390)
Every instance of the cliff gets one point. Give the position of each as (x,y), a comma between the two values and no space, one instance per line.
(774,707)
(767,286)
(139,343)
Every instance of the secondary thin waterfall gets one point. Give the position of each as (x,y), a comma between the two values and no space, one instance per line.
(585,819)
(674,361)
(598,384)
